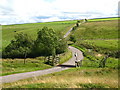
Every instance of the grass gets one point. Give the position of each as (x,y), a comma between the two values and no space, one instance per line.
(93,59)
(71,78)
(102,34)
(32,29)
(97,30)
(96,40)
(10,66)
(65,56)
(110,63)
(104,19)
(103,44)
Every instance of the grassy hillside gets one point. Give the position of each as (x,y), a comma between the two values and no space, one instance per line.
(97,40)
(102,34)
(98,30)
(110,44)
(8,31)
(72,78)
(104,19)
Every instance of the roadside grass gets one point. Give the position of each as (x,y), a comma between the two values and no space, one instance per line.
(10,66)
(32,29)
(104,19)
(65,56)
(71,78)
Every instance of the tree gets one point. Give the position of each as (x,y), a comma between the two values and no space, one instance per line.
(49,43)
(77,24)
(62,45)
(72,38)
(78,21)
(19,48)
(86,20)
(49,40)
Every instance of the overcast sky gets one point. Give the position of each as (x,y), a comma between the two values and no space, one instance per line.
(30,11)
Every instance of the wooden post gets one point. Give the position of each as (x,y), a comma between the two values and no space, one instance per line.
(44,59)
(48,60)
(53,60)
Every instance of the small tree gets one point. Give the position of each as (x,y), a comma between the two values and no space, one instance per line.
(77,24)
(86,20)
(72,38)
(78,21)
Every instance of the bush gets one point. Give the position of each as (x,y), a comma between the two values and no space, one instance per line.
(74,28)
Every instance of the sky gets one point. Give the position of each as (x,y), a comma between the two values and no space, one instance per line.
(31,11)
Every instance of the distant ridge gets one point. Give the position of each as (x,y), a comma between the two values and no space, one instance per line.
(105,17)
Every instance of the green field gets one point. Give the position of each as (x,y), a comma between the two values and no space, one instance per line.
(72,78)
(97,30)
(102,34)
(110,44)
(103,19)
(9,31)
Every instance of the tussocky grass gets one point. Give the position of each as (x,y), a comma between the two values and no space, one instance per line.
(72,78)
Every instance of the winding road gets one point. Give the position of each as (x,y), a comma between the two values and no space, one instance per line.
(69,64)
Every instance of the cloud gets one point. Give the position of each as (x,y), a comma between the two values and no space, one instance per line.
(30,11)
